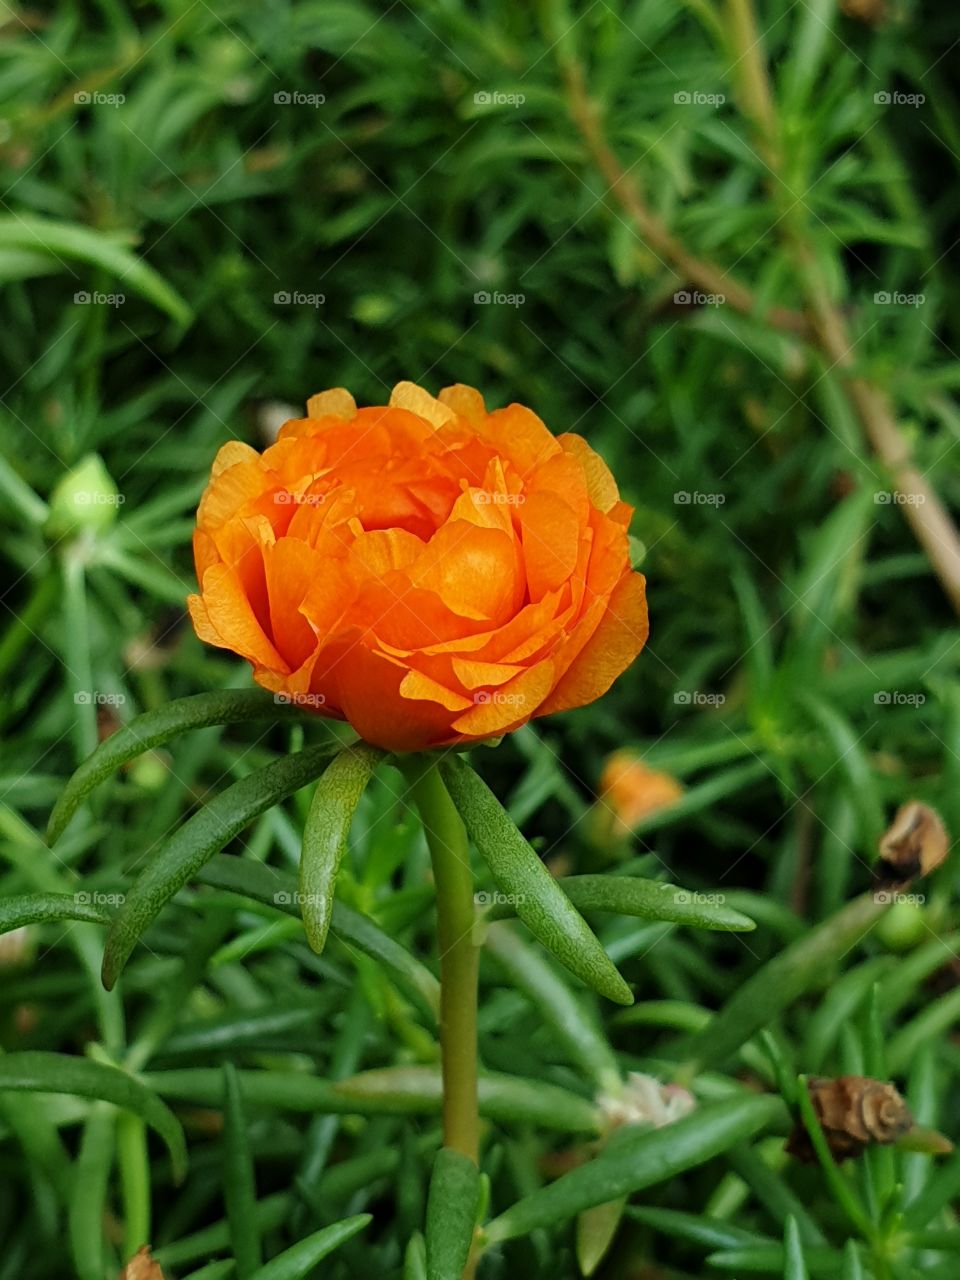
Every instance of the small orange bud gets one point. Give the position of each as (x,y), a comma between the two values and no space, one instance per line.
(630,791)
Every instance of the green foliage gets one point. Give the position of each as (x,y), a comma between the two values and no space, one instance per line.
(801,680)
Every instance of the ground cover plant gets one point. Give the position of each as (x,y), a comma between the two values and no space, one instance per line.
(714,240)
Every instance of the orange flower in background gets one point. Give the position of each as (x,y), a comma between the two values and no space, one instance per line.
(428,571)
(630,791)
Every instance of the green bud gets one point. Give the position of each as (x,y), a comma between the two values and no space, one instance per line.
(86,499)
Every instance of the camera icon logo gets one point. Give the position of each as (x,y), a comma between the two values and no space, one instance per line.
(82,99)
(482,99)
(482,299)
(282,299)
(282,98)
(682,98)
(882,99)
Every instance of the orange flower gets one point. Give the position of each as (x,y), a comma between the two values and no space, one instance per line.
(428,571)
(630,792)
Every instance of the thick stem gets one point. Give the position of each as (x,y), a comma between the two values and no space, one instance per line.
(450,855)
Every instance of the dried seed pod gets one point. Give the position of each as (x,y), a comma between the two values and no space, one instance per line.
(141,1267)
(914,845)
(873,12)
(854,1112)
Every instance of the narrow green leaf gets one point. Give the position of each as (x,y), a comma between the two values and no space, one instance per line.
(935,1196)
(451,1214)
(38,908)
(239,1189)
(771,1260)
(530,971)
(413,1090)
(697,1228)
(795,1267)
(279,890)
(803,965)
(153,729)
(35,1071)
(842,1189)
(638,1160)
(415,1259)
(61,240)
(300,1259)
(648,899)
(271,1212)
(812,37)
(541,903)
(214,1270)
(852,1270)
(133,1167)
(203,835)
(596,1229)
(88,1195)
(325,835)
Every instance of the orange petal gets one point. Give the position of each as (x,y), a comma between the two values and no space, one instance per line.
(291,568)
(232,486)
(230,615)
(600,482)
(551,539)
(335,403)
(368,690)
(474,675)
(407,395)
(465,401)
(618,638)
(509,706)
(416,685)
(384,550)
(474,571)
(518,434)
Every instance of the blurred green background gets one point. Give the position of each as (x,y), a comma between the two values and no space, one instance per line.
(210,212)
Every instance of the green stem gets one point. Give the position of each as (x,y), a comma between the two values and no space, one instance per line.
(450,855)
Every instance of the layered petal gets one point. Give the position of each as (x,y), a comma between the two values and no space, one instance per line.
(433,573)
